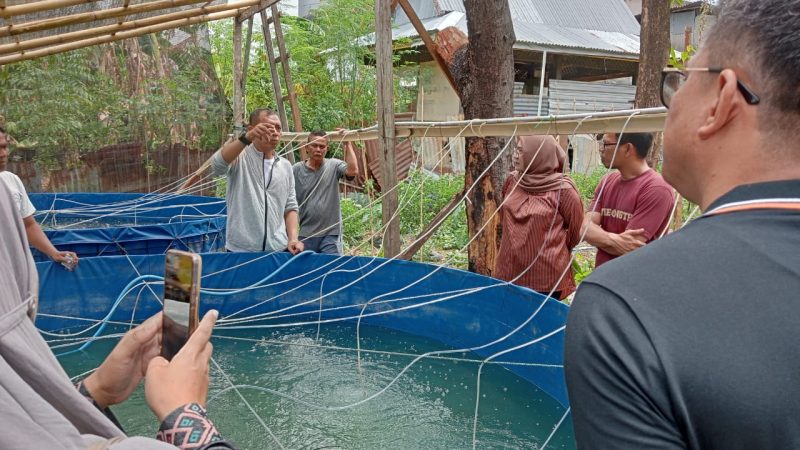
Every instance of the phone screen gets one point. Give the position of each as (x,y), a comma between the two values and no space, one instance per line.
(179,294)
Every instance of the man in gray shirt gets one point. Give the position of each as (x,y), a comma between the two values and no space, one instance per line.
(317,188)
(262,207)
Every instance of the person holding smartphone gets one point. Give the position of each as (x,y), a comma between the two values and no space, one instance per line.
(41,407)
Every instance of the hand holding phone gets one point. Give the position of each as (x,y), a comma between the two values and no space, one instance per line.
(172,384)
(181,297)
(123,369)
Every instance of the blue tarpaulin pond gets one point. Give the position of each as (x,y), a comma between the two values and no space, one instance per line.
(95,224)
(279,300)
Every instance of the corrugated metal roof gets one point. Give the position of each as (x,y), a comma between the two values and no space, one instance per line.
(537,36)
(602,15)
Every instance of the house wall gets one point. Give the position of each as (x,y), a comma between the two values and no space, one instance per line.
(700,24)
(437,101)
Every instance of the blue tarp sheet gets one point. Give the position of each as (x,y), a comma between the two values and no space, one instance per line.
(464,310)
(152,223)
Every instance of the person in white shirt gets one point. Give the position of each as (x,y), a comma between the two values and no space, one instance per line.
(36,237)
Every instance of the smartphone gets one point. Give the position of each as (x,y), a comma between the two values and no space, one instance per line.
(181,296)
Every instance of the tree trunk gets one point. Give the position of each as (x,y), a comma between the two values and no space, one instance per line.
(484,72)
(654,48)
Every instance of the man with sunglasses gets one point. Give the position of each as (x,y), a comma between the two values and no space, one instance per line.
(631,206)
(691,342)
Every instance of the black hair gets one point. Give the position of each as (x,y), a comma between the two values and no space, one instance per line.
(257,113)
(640,141)
(317,133)
(762,38)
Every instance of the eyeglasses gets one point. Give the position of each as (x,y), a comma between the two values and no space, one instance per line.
(672,79)
(605,145)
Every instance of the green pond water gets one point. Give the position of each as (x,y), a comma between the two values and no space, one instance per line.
(430,407)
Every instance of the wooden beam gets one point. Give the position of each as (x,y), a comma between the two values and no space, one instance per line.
(37,7)
(386,132)
(287,71)
(433,49)
(238,111)
(52,50)
(92,16)
(28,44)
(253,10)
(434,225)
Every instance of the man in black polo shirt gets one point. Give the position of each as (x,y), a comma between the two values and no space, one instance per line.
(692,341)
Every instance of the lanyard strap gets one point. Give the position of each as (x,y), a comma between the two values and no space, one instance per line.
(785,204)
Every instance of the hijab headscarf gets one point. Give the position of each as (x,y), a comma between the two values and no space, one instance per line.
(40,406)
(539,166)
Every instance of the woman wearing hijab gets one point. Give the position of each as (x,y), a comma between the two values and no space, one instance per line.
(41,409)
(542,217)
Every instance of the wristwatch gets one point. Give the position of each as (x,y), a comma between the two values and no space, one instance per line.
(243,139)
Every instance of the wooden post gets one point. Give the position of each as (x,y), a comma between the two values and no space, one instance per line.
(542,76)
(386,141)
(273,69)
(238,111)
(247,41)
(287,71)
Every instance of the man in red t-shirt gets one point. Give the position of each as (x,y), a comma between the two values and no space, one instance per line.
(632,206)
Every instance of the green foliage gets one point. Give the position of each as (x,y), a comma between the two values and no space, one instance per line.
(75,102)
(588,183)
(58,103)
(679,59)
(330,67)
(582,266)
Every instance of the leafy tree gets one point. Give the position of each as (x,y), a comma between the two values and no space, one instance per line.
(139,90)
(330,63)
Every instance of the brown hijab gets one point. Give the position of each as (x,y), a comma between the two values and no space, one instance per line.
(540,165)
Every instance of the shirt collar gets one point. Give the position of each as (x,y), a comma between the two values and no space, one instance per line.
(768,190)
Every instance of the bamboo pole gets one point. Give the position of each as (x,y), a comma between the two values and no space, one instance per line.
(92,16)
(632,121)
(36,7)
(63,38)
(16,57)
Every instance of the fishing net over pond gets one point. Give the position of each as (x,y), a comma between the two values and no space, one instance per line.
(341,352)
(134,224)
